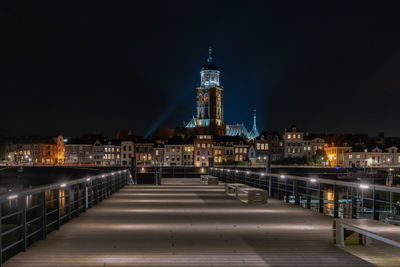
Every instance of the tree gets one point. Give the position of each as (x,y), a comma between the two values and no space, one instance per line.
(319,157)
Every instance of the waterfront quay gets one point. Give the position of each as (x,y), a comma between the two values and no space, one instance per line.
(188,224)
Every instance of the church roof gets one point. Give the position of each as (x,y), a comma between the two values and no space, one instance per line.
(210,62)
(192,123)
(236,130)
(253,133)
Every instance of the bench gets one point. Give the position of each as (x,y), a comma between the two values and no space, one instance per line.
(366,229)
(231,189)
(251,195)
(209,179)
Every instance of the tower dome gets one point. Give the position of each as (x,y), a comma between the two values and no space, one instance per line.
(209,74)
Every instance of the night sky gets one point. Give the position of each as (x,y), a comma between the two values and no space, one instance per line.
(96,67)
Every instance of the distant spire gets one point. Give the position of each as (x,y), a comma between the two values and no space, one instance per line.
(209,59)
(254,119)
(254,132)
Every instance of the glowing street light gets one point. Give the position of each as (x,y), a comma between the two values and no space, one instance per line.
(282,176)
(63,185)
(364,186)
(12,197)
(313,180)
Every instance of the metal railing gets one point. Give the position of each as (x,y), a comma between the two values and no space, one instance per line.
(28,216)
(336,198)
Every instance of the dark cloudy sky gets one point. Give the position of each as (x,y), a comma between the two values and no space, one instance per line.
(84,67)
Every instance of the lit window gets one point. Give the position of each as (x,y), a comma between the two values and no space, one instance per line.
(351,156)
(289,136)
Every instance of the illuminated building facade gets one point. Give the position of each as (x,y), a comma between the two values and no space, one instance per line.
(203,150)
(79,152)
(39,150)
(209,109)
(293,138)
(335,154)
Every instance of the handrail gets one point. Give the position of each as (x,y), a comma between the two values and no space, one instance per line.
(303,178)
(49,187)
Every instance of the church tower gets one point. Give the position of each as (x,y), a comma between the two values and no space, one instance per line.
(209,101)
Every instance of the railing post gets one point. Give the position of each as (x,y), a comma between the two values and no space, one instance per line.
(335,201)
(308,205)
(270,186)
(375,205)
(354,197)
(287,197)
(296,192)
(44,212)
(22,206)
(1,240)
(69,202)
(57,193)
(321,199)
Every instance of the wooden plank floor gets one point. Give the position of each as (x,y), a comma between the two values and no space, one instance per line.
(189,225)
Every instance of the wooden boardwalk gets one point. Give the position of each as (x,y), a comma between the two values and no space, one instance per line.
(189,225)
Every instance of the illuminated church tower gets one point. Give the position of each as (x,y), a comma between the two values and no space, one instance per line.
(209,113)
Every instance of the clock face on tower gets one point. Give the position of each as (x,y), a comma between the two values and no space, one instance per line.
(205,99)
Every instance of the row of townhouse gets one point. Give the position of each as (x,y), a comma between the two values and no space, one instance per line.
(375,157)
(37,150)
(299,144)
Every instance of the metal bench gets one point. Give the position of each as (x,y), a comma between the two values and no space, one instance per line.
(366,230)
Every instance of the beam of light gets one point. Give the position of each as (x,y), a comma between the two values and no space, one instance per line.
(183,94)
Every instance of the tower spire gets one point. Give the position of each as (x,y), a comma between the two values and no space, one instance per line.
(254,119)
(209,59)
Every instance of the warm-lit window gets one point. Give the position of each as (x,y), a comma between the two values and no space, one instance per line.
(298,136)
(258,146)
(351,156)
(289,136)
